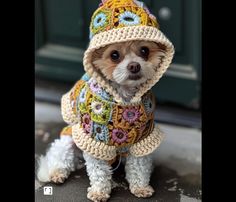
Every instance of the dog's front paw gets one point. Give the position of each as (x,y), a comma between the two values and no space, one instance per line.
(142,192)
(58,176)
(98,196)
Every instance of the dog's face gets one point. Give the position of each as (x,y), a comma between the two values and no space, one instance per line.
(129,63)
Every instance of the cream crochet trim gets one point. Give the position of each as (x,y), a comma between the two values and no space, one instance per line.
(97,149)
(148,144)
(66,110)
(123,34)
(104,152)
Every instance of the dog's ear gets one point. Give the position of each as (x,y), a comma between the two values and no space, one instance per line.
(161,47)
(97,56)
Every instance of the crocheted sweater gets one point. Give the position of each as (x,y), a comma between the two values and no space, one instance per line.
(103,127)
(100,123)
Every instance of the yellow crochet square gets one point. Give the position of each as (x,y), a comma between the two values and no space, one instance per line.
(113,14)
(100,110)
(127,117)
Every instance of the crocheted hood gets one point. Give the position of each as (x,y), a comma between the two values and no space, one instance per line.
(120,21)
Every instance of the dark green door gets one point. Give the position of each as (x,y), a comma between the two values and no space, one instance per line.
(62,30)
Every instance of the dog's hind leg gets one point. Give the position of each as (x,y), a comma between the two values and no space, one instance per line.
(100,175)
(58,162)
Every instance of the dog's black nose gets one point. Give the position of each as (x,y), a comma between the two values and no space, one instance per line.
(134,67)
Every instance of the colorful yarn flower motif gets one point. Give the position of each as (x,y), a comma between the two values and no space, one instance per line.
(119,136)
(94,86)
(97,107)
(100,110)
(128,18)
(98,90)
(100,132)
(104,95)
(131,115)
(99,20)
(86,123)
(82,96)
(81,101)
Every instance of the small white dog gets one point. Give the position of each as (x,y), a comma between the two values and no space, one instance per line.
(110,111)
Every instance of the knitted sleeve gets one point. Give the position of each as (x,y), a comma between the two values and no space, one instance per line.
(69,111)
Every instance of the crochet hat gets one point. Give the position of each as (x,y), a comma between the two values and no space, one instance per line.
(120,21)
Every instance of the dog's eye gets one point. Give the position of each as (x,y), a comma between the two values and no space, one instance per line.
(115,56)
(144,51)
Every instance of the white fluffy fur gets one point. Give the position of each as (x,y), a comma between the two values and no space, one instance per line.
(121,73)
(138,170)
(117,73)
(100,175)
(126,87)
(59,161)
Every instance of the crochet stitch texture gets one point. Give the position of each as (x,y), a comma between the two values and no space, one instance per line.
(113,14)
(100,122)
(107,121)
(104,122)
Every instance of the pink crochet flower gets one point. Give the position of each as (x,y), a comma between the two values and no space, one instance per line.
(131,115)
(86,123)
(94,86)
(119,136)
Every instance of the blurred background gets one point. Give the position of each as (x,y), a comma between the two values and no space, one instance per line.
(61,37)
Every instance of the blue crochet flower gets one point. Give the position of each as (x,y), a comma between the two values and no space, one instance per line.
(104,95)
(82,96)
(128,18)
(96,88)
(100,132)
(99,20)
